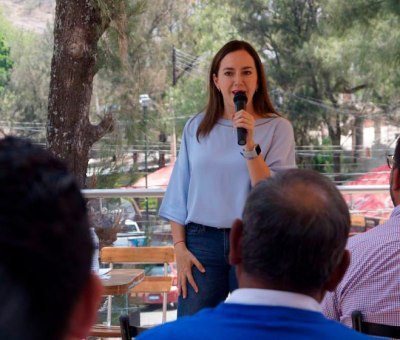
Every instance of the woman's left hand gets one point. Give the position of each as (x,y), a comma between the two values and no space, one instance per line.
(243,119)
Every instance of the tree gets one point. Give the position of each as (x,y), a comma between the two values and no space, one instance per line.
(303,60)
(5,63)
(79,28)
(373,28)
(197,31)
(23,101)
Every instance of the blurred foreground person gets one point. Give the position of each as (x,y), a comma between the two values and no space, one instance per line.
(47,291)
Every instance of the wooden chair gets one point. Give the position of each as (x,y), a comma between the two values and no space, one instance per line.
(150,284)
(104,331)
(374,329)
(145,255)
(128,331)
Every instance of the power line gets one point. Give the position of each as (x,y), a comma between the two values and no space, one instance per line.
(189,55)
(193,66)
(189,68)
(192,61)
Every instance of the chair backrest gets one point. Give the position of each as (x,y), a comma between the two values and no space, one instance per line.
(374,329)
(127,331)
(137,255)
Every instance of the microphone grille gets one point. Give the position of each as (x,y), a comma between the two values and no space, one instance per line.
(240,96)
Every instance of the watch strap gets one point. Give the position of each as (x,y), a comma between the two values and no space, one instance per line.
(249,155)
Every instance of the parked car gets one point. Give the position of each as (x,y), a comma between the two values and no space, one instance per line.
(157,298)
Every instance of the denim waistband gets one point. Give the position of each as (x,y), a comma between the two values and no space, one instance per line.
(206,226)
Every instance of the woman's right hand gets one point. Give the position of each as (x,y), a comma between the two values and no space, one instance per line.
(185,260)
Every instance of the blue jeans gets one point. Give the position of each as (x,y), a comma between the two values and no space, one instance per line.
(211,248)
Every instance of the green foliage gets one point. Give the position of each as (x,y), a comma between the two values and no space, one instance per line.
(5,63)
(188,98)
(369,30)
(312,51)
(298,55)
(120,20)
(26,95)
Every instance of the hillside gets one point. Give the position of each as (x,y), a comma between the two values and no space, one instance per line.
(31,15)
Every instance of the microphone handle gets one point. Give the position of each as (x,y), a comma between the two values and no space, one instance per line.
(241,132)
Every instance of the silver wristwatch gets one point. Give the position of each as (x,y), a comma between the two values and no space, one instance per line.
(249,155)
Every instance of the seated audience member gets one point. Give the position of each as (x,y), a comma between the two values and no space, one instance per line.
(47,291)
(288,251)
(372,282)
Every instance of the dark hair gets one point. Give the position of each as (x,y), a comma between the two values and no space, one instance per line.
(215,107)
(295,228)
(45,243)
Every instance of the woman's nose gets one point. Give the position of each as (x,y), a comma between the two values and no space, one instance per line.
(238,79)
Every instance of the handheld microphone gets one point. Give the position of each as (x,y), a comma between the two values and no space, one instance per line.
(240,100)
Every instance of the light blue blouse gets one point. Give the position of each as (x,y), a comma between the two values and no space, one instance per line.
(210,181)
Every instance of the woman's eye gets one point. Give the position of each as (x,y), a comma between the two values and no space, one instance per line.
(228,73)
(247,73)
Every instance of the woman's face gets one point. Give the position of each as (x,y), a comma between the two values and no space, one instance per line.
(237,72)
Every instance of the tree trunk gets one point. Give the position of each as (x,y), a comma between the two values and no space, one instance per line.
(70,134)
(359,140)
(335,134)
(162,138)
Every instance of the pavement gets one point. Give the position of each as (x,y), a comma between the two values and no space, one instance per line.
(153,316)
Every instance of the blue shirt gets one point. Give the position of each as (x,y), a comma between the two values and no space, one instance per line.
(210,181)
(238,322)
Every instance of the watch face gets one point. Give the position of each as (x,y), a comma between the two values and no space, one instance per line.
(258,149)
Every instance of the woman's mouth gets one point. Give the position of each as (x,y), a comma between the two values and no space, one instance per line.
(236,91)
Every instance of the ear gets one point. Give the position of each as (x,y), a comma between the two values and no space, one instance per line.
(339,272)
(396,179)
(235,239)
(85,312)
(215,78)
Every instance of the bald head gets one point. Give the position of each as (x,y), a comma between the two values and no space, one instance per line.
(295,228)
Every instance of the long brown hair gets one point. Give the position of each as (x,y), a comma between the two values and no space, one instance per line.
(214,110)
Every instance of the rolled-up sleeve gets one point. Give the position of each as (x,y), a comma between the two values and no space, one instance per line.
(281,154)
(174,205)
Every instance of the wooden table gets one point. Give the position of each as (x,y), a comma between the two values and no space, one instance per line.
(120,282)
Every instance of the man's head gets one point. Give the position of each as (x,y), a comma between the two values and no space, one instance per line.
(46,287)
(395,176)
(294,231)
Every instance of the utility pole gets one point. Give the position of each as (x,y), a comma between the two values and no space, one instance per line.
(144,100)
(174,80)
(173,66)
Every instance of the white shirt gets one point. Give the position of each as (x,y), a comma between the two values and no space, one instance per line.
(267,297)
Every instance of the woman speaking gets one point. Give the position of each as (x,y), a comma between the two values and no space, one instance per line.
(213,174)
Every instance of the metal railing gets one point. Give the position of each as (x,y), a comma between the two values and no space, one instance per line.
(344,189)
(115,193)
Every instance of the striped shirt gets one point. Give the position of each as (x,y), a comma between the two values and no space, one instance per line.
(372,281)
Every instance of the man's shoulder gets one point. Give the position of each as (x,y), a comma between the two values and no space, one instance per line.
(378,236)
(336,330)
(181,328)
(239,321)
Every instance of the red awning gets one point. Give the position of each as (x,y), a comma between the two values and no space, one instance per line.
(378,176)
(156,180)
